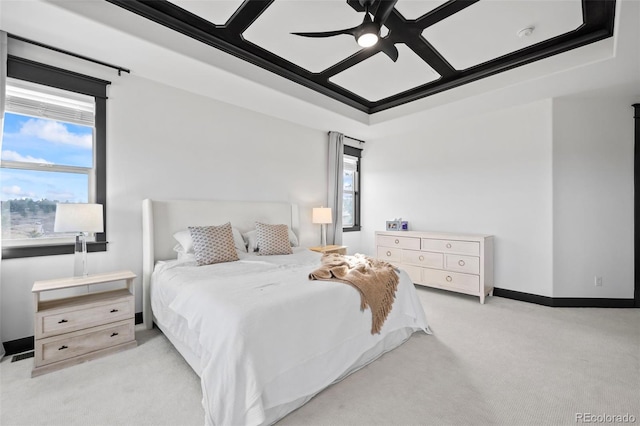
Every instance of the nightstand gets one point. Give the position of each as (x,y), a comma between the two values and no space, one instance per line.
(71,330)
(330,249)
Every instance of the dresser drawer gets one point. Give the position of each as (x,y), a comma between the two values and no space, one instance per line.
(451,246)
(414,272)
(82,342)
(423,258)
(53,323)
(390,254)
(451,280)
(459,263)
(399,242)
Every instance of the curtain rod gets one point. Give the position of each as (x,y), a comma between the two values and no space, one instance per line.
(66,52)
(353,139)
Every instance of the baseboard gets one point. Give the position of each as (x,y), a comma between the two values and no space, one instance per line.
(25,344)
(564,302)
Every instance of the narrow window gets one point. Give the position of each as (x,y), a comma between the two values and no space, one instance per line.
(351,189)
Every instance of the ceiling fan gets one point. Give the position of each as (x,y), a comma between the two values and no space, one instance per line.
(367,34)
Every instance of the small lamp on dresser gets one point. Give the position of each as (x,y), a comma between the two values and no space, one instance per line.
(322,216)
(81,218)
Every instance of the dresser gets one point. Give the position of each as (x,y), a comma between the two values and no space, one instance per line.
(457,262)
(71,330)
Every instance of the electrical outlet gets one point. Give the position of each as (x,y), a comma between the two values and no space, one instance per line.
(598,281)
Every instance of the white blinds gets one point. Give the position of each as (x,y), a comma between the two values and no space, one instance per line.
(50,104)
(350,164)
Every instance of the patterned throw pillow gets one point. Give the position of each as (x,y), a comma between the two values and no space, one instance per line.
(272,239)
(252,243)
(213,244)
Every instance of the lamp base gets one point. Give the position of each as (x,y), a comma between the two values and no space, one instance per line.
(323,235)
(80,256)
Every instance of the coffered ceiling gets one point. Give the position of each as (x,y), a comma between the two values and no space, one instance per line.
(440,44)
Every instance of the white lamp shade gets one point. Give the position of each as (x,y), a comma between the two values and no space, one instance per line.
(78,218)
(321,215)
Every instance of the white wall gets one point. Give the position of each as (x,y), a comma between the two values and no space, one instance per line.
(593,145)
(551,180)
(490,173)
(167,143)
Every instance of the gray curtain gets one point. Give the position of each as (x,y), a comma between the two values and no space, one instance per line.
(3,90)
(334,186)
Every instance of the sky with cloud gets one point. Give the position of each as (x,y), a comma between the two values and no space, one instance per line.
(42,141)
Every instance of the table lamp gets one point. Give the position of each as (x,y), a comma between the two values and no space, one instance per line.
(83,219)
(322,216)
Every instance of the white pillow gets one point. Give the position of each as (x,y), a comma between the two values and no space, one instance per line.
(185,242)
(190,257)
(252,244)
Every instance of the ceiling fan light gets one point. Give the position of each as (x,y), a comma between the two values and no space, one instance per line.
(367,39)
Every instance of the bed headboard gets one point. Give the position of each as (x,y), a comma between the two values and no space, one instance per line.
(162,218)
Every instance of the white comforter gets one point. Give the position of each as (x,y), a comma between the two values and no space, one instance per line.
(267,335)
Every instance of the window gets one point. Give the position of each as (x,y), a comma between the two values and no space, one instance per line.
(351,189)
(53,151)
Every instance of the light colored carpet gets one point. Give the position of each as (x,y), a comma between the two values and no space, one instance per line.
(502,363)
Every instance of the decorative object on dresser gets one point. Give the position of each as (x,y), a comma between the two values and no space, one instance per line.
(83,219)
(322,216)
(394,225)
(330,249)
(458,262)
(71,330)
(397,225)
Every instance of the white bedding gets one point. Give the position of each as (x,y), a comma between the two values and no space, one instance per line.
(266,336)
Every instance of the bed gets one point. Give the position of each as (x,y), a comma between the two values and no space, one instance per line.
(262,337)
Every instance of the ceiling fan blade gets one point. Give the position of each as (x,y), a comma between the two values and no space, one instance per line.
(349,31)
(384,10)
(389,49)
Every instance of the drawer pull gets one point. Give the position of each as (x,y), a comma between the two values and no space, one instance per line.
(448,245)
(388,253)
(114,310)
(62,321)
(113,334)
(461,262)
(397,241)
(449,279)
(63,347)
(421,258)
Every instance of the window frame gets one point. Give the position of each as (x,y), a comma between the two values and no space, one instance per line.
(357,153)
(36,72)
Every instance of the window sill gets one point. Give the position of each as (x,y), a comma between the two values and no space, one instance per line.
(49,250)
(351,229)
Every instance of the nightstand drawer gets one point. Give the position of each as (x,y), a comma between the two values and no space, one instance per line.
(53,323)
(82,342)
(399,242)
